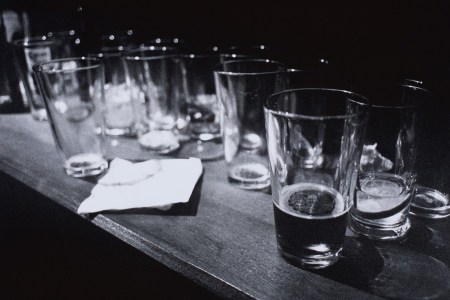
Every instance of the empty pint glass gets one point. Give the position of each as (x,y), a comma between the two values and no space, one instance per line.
(242,87)
(155,82)
(73,95)
(32,51)
(314,140)
(202,107)
(388,171)
(119,114)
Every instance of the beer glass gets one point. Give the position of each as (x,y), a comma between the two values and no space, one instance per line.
(314,140)
(387,169)
(202,107)
(31,51)
(154,82)
(242,87)
(119,114)
(431,195)
(73,95)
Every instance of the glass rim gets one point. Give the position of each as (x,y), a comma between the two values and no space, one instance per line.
(160,40)
(281,66)
(41,67)
(149,47)
(239,55)
(310,117)
(130,57)
(105,54)
(397,106)
(246,47)
(306,70)
(39,40)
(195,55)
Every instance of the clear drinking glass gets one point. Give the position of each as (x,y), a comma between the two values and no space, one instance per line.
(242,87)
(119,113)
(155,82)
(431,196)
(202,107)
(314,140)
(73,95)
(31,51)
(387,169)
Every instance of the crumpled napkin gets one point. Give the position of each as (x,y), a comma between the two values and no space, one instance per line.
(152,183)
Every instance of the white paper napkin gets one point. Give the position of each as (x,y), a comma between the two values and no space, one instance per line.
(152,183)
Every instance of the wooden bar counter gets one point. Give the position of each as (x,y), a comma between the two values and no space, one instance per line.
(224,239)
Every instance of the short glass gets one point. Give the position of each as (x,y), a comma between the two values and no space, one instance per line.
(314,140)
(387,170)
(31,51)
(73,95)
(242,87)
(155,82)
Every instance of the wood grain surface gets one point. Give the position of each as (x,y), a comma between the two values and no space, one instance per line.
(224,237)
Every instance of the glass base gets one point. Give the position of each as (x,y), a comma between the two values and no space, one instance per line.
(210,150)
(386,233)
(251,176)
(318,261)
(126,132)
(39,114)
(85,164)
(430,203)
(159,141)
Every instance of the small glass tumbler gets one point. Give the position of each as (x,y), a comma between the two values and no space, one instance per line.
(314,139)
(119,113)
(388,164)
(73,95)
(242,87)
(154,82)
(31,51)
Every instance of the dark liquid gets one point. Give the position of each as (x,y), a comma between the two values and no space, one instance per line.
(309,236)
(295,234)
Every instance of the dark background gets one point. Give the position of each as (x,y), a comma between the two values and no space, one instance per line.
(358,37)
